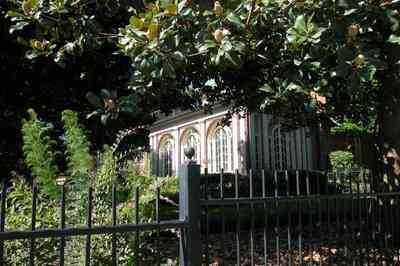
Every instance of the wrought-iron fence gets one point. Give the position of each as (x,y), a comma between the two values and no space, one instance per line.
(62,232)
(261,218)
(300,218)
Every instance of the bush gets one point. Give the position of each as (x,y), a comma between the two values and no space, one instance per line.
(39,152)
(342,161)
(80,161)
(40,156)
(18,217)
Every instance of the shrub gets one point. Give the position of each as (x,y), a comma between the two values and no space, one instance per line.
(18,217)
(80,161)
(349,175)
(39,152)
(342,160)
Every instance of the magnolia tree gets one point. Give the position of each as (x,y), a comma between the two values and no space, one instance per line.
(310,62)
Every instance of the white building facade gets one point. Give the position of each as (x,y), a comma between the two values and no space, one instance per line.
(247,141)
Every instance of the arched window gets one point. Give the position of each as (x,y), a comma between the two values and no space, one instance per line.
(279,148)
(191,140)
(166,157)
(220,150)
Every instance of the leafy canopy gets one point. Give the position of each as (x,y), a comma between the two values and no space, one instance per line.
(305,60)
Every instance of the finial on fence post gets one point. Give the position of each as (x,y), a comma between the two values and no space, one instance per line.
(189,153)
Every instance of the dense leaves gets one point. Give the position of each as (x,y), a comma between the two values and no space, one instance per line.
(39,152)
(309,62)
(80,161)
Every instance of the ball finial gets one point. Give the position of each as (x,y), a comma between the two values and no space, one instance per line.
(189,153)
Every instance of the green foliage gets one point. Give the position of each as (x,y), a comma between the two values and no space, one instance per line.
(80,161)
(342,160)
(107,172)
(349,128)
(263,55)
(347,173)
(18,217)
(39,152)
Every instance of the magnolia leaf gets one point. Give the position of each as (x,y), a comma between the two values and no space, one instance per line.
(234,19)
(178,56)
(232,58)
(211,83)
(297,62)
(266,88)
(136,22)
(11,14)
(18,26)
(294,87)
(300,25)
(394,39)
(226,45)
(171,10)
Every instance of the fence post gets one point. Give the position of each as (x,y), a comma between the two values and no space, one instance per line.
(189,211)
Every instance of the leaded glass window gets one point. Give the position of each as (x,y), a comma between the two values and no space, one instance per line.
(220,150)
(279,148)
(166,158)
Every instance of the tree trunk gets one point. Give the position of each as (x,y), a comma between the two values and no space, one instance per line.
(389,127)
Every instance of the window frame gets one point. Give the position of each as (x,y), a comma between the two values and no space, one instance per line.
(220,150)
(166,157)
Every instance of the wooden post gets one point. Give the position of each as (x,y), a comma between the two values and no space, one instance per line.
(189,211)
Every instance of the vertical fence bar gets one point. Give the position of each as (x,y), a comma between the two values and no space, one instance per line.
(319,222)
(385,226)
(89,225)
(328,210)
(207,218)
(289,222)
(189,211)
(32,250)
(353,250)
(345,225)
(62,214)
(299,209)
(310,219)
(359,231)
(277,237)
(114,223)
(137,204)
(2,217)
(237,218)
(251,193)
(337,214)
(264,195)
(366,208)
(373,225)
(222,196)
(158,257)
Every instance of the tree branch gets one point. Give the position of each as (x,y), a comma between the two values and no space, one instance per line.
(253,4)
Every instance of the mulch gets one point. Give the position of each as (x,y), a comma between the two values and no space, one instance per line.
(321,251)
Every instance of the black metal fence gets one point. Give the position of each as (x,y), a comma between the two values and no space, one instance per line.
(261,218)
(300,218)
(63,232)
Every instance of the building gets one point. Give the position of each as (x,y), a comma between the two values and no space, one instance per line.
(248,141)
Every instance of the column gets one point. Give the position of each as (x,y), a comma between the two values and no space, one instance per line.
(177,151)
(203,144)
(235,141)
